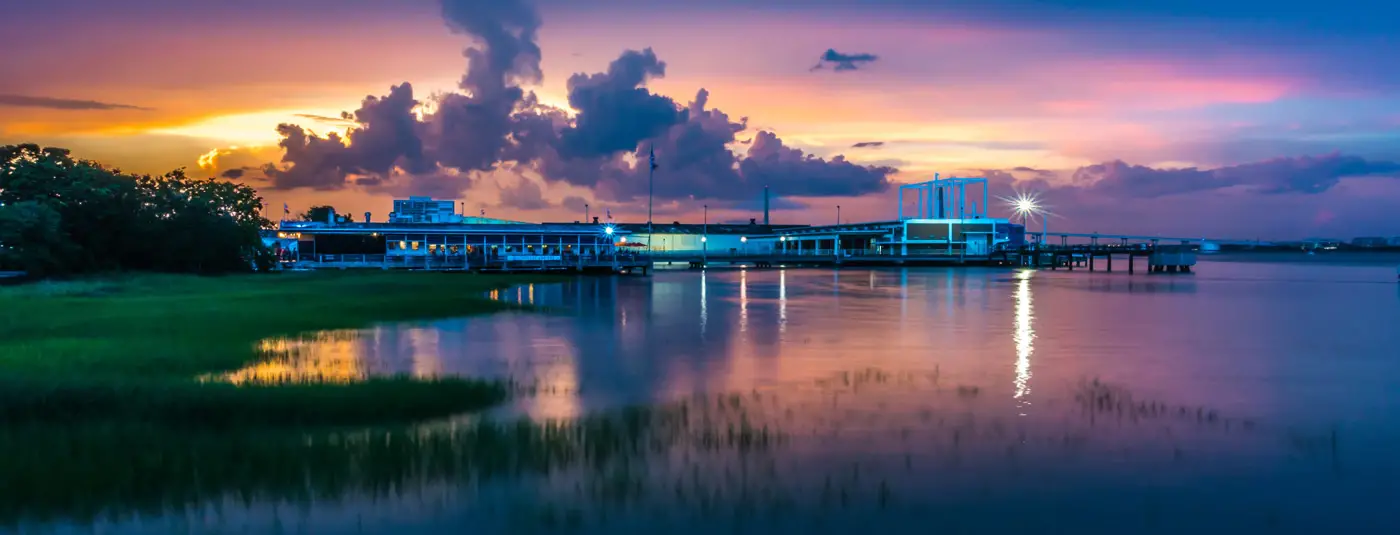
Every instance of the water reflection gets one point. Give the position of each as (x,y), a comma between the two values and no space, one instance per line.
(743,299)
(1024,337)
(782,301)
(704,304)
(333,356)
(861,447)
(1220,409)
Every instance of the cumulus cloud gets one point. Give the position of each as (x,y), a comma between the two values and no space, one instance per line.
(843,62)
(1308,174)
(467,132)
(25,101)
(397,142)
(615,111)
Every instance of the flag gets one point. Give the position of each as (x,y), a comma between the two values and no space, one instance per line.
(483,212)
(609,213)
(653,159)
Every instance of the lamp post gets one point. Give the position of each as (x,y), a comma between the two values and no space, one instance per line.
(585,213)
(838,214)
(705,238)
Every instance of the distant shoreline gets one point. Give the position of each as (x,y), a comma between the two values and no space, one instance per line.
(1349,257)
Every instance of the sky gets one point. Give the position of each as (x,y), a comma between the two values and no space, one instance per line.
(1237,120)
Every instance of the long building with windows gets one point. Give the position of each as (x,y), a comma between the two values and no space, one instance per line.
(427,233)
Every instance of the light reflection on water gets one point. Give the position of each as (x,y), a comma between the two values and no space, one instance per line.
(1025,337)
(1207,403)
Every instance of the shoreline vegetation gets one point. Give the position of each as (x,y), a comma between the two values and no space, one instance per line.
(132,349)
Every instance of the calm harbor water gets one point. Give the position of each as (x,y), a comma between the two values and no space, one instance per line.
(1251,396)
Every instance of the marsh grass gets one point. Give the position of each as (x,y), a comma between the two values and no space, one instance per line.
(133,347)
(92,471)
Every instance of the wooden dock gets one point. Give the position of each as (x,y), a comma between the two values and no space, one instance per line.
(1159,258)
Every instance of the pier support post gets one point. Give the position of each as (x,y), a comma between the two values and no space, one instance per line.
(1130,263)
(1091,260)
(1109,256)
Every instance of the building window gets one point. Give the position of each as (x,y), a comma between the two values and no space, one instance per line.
(415,246)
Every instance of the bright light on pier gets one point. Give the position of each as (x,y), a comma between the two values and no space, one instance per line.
(1025,204)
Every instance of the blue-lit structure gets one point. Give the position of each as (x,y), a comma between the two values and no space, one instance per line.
(932,203)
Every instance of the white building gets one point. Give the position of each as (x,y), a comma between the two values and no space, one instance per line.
(424,210)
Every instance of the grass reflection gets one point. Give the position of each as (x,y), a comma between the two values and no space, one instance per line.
(865,440)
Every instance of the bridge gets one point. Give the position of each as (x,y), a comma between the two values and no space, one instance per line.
(1094,238)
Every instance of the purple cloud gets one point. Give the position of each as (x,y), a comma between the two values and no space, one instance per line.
(843,62)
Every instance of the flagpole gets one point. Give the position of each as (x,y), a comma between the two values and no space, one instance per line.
(651,174)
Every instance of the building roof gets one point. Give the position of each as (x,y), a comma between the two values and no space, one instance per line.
(695,228)
(396,228)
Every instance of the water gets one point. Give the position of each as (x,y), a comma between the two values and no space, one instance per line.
(1245,397)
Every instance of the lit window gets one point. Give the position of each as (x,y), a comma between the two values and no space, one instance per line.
(403,245)
(415,246)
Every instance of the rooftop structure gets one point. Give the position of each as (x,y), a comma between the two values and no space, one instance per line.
(424,210)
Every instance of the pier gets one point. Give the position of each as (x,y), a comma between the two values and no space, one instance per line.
(1157,258)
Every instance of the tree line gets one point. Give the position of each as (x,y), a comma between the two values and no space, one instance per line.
(65,216)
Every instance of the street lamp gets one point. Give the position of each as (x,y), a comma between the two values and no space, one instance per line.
(705,238)
(838,214)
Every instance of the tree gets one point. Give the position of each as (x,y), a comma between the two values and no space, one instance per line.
(322,214)
(106,220)
(31,238)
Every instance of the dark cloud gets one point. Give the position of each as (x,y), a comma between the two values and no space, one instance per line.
(233,174)
(339,121)
(774,204)
(798,174)
(309,161)
(524,194)
(467,131)
(614,111)
(1307,174)
(22,101)
(396,144)
(843,62)
(506,53)
(1043,174)
(868,145)
(387,137)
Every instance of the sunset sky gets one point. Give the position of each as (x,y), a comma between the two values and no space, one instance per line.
(1241,119)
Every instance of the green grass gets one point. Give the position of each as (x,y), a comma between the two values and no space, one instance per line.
(87,472)
(131,348)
